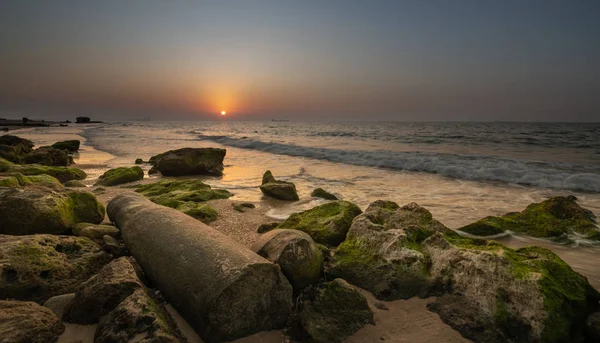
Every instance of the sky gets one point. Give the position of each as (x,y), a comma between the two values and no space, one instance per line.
(525,60)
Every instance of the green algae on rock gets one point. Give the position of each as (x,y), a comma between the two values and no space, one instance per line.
(20,180)
(557,217)
(74,184)
(326,224)
(241,206)
(203,212)
(121,175)
(335,311)
(37,267)
(63,174)
(281,190)
(321,193)
(70,145)
(31,210)
(13,148)
(189,161)
(48,156)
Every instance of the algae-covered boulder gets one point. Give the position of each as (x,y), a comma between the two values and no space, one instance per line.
(295,252)
(70,145)
(138,318)
(121,175)
(281,190)
(187,196)
(48,156)
(139,161)
(336,310)
(103,292)
(31,210)
(13,148)
(63,174)
(94,231)
(37,267)
(74,184)
(326,224)
(382,251)
(321,193)
(28,322)
(557,217)
(189,161)
(20,180)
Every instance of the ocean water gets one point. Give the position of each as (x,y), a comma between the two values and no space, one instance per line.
(461,172)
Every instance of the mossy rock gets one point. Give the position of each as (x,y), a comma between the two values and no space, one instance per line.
(63,174)
(74,184)
(557,218)
(121,175)
(48,156)
(189,161)
(203,212)
(139,161)
(281,190)
(70,145)
(334,311)
(37,267)
(241,206)
(323,194)
(20,180)
(13,148)
(326,224)
(35,209)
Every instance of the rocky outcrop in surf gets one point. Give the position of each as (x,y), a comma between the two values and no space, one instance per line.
(189,161)
(277,189)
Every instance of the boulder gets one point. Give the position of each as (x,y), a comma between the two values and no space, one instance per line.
(28,322)
(240,207)
(139,161)
(138,318)
(13,148)
(20,180)
(48,156)
(262,228)
(187,196)
(70,145)
(94,231)
(281,190)
(295,252)
(557,217)
(63,174)
(335,311)
(232,293)
(189,161)
(103,292)
(326,224)
(31,210)
(593,327)
(121,175)
(321,193)
(58,303)
(74,184)
(114,247)
(383,246)
(37,267)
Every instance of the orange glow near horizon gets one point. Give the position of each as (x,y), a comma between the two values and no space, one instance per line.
(223,113)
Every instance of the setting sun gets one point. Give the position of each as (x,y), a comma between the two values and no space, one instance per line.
(223,113)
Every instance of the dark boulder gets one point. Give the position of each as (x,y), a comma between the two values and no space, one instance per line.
(28,322)
(321,193)
(281,190)
(48,156)
(13,148)
(189,161)
(71,145)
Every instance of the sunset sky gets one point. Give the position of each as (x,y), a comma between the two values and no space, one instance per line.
(356,60)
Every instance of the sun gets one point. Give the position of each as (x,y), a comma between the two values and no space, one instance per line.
(223,113)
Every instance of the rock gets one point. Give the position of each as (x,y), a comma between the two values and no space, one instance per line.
(186,196)
(383,247)
(13,148)
(58,303)
(20,180)
(37,267)
(121,175)
(189,161)
(262,228)
(113,247)
(233,293)
(83,120)
(336,311)
(139,317)
(326,224)
(28,322)
(281,190)
(94,231)
(295,252)
(103,292)
(556,217)
(63,174)
(321,193)
(139,161)
(242,206)
(75,184)
(467,317)
(71,145)
(593,327)
(47,156)
(34,210)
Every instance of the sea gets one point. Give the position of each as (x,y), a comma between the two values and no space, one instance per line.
(459,171)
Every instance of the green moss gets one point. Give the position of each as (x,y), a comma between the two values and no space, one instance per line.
(326,224)
(321,193)
(471,243)
(9,181)
(75,184)
(120,175)
(20,180)
(83,207)
(240,207)
(72,145)
(63,174)
(203,212)
(488,226)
